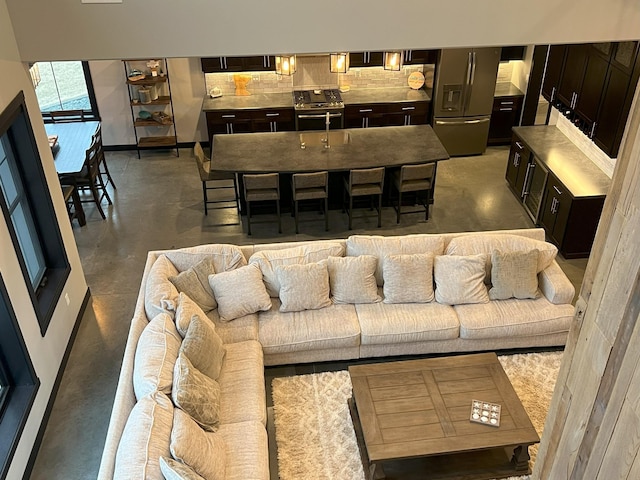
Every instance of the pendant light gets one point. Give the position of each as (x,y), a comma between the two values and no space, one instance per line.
(339,62)
(393,60)
(285,64)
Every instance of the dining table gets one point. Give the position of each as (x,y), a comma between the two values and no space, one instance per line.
(73,140)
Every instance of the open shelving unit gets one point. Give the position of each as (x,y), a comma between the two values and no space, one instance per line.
(150,133)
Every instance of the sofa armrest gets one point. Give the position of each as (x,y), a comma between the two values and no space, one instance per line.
(555,285)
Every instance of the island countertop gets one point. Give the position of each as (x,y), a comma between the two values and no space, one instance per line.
(573,168)
(349,148)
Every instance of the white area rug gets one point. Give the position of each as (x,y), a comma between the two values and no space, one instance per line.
(315,435)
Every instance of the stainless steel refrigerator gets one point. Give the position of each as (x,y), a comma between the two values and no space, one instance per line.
(463,99)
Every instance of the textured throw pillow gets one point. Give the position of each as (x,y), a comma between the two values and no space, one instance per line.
(174,470)
(240,292)
(352,279)
(195,283)
(514,275)
(160,294)
(203,347)
(203,451)
(476,243)
(380,247)
(156,353)
(186,309)
(145,438)
(196,394)
(303,287)
(460,279)
(408,278)
(268,260)
(225,256)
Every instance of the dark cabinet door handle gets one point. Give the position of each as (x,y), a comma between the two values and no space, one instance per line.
(557,190)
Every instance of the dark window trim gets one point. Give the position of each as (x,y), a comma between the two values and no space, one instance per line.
(14,120)
(22,380)
(90,115)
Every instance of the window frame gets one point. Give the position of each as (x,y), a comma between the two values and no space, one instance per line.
(89,115)
(14,120)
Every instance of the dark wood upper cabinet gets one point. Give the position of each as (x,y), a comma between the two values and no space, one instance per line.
(555,61)
(366,59)
(614,109)
(238,64)
(624,55)
(417,57)
(572,74)
(590,92)
(513,52)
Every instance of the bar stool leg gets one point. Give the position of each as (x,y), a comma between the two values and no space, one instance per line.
(295,214)
(379,210)
(350,209)
(279,218)
(248,217)
(326,214)
(399,206)
(204,196)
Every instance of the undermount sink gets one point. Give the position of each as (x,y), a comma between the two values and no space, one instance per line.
(318,139)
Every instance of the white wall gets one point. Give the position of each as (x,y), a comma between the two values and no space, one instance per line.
(46,353)
(71,30)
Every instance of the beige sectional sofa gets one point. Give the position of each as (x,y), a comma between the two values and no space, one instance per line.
(250,285)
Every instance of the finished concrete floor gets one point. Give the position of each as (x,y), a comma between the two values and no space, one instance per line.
(158,205)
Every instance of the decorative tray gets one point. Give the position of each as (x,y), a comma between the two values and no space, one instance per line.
(485,413)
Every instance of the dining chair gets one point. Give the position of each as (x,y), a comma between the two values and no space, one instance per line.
(361,182)
(259,188)
(102,160)
(415,178)
(65,116)
(310,186)
(89,179)
(213,180)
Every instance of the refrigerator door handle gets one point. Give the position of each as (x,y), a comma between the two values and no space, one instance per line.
(469,67)
(473,68)
(462,122)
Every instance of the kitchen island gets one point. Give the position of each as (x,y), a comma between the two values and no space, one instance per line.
(292,152)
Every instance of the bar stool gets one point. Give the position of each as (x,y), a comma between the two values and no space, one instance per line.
(261,187)
(365,181)
(310,186)
(415,178)
(221,181)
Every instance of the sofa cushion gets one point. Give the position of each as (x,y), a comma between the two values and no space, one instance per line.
(242,389)
(513,274)
(412,322)
(488,242)
(335,326)
(156,354)
(268,260)
(513,318)
(195,283)
(160,294)
(186,309)
(408,278)
(303,287)
(203,347)
(174,470)
(352,279)
(380,247)
(204,452)
(460,279)
(239,292)
(196,394)
(241,329)
(247,451)
(145,438)
(225,257)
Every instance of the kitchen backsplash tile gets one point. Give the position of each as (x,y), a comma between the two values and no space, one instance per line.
(313,72)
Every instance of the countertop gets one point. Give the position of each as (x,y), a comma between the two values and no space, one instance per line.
(366,148)
(507,89)
(573,168)
(285,100)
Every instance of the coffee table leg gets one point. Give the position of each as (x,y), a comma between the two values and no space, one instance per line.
(521,457)
(376,472)
(373,471)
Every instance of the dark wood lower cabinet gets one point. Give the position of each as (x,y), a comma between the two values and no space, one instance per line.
(504,116)
(249,121)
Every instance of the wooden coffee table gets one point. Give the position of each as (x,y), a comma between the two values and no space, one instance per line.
(421,409)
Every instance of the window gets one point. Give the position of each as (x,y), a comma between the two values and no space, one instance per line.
(18,381)
(28,210)
(64,86)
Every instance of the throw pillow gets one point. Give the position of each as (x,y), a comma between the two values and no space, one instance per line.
(268,260)
(173,470)
(186,309)
(196,394)
(202,451)
(203,347)
(352,279)
(195,283)
(145,438)
(514,275)
(476,243)
(156,353)
(460,279)
(160,294)
(408,278)
(303,287)
(380,247)
(240,292)
(225,256)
